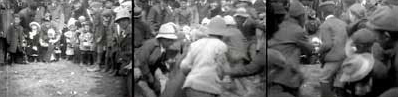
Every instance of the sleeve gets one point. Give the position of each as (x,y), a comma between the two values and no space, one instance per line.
(151,18)
(257,65)
(303,42)
(143,55)
(326,37)
(186,63)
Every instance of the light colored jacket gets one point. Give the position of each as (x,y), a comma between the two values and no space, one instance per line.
(205,58)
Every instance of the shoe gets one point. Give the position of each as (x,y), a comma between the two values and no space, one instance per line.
(93,68)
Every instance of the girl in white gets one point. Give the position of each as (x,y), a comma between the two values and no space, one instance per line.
(71,40)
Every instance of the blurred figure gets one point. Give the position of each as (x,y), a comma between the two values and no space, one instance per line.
(14,39)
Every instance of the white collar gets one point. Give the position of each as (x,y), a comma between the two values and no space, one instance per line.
(162,49)
(329,16)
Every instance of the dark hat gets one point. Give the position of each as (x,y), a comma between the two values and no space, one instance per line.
(296,8)
(364,36)
(217,26)
(384,18)
(107,12)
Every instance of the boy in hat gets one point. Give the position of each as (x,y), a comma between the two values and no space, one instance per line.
(184,15)
(14,39)
(32,49)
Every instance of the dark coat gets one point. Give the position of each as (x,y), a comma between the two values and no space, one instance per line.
(142,32)
(158,16)
(31,43)
(333,34)
(14,38)
(27,16)
(291,41)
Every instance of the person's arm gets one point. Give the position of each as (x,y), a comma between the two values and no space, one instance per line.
(151,17)
(304,44)
(257,65)
(326,37)
(187,61)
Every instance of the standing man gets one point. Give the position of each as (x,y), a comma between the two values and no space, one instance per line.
(156,15)
(333,34)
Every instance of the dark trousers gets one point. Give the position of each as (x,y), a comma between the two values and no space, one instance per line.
(88,57)
(77,56)
(17,57)
(43,54)
(195,93)
(3,50)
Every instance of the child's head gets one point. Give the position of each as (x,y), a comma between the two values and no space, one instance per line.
(86,26)
(108,4)
(47,16)
(17,19)
(35,26)
(72,24)
(82,19)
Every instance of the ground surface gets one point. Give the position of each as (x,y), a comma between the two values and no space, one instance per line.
(59,79)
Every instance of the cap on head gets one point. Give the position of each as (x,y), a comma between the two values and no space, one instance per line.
(296,8)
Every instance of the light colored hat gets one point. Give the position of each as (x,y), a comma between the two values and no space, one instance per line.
(71,22)
(217,26)
(241,12)
(81,17)
(34,23)
(95,4)
(122,14)
(358,10)
(356,67)
(327,3)
(229,20)
(205,21)
(384,18)
(167,31)
(296,8)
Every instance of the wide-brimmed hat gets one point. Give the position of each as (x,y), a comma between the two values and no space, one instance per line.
(121,15)
(384,18)
(356,67)
(95,4)
(241,12)
(229,20)
(35,23)
(217,26)
(327,3)
(167,31)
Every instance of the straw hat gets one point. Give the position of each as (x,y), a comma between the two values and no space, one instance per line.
(121,15)
(229,20)
(356,67)
(167,31)
(241,12)
(217,26)
(327,3)
(95,4)
(34,23)
(205,21)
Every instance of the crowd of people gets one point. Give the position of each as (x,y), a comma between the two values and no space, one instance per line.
(199,48)
(352,41)
(96,34)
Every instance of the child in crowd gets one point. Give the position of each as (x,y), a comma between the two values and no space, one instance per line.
(33,44)
(44,40)
(70,38)
(54,50)
(87,44)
